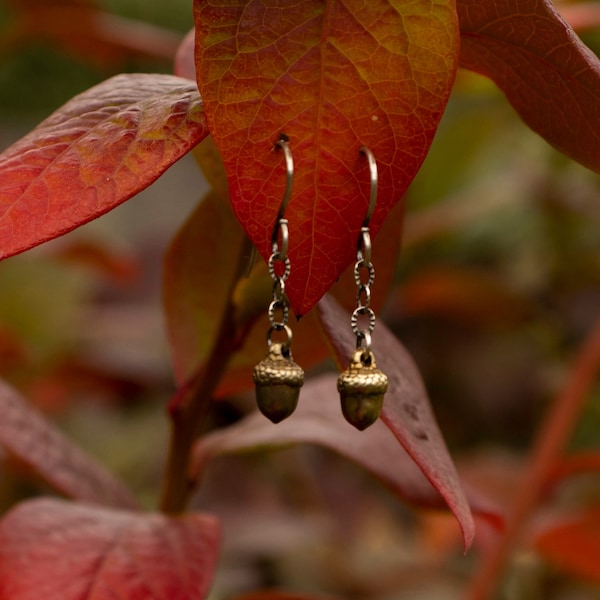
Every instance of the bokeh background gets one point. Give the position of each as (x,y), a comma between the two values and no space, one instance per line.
(497,285)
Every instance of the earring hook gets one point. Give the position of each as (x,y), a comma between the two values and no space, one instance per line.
(283,143)
(280,222)
(374,183)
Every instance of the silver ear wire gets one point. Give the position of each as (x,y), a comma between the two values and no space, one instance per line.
(374,184)
(278,378)
(284,144)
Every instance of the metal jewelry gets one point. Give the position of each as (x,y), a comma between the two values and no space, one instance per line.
(362,385)
(278,378)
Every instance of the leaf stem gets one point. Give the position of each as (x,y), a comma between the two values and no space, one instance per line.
(191,404)
(554,434)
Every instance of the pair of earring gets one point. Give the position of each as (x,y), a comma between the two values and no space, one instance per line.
(278,378)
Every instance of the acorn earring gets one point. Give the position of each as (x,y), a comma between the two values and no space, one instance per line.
(362,385)
(278,378)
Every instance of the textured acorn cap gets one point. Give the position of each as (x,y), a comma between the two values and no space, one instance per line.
(278,381)
(277,369)
(360,378)
(362,387)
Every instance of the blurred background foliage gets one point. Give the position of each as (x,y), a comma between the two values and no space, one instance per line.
(498,283)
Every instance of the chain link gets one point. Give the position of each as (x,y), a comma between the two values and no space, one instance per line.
(364,277)
(279,309)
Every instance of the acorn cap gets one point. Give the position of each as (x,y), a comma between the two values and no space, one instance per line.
(362,387)
(278,369)
(362,376)
(278,381)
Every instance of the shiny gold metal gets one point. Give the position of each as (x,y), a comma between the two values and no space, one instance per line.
(278,380)
(362,387)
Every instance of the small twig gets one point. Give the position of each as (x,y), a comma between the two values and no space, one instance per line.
(551,440)
(191,404)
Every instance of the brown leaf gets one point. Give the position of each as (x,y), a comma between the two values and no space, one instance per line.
(59,550)
(34,444)
(406,410)
(318,420)
(549,76)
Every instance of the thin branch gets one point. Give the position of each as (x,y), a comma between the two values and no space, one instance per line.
(191,404)
(555,433)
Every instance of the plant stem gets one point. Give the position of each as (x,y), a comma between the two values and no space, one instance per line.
(550,443)
(191,404)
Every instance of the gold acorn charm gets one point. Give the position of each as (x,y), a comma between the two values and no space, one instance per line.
(362,387)
(278,380)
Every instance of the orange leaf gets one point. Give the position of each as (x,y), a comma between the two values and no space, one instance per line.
(333,76)
(98,150)
(573,544)
(58,550)
(549,76)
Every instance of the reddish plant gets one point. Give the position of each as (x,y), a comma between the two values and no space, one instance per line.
(331,76)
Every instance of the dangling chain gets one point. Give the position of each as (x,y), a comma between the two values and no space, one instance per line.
(278,309)
(364,276)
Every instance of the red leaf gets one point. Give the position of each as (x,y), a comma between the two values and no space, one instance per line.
(185,65)
(573,544)
(105,261)
(57,550)
(196,292)
(575,464)
(34,444)
(95,152)
(549,76)
(406,410)
(333,76)
(318,420)
(278,595)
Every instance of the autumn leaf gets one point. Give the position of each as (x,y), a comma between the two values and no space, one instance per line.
(406,410)
(58,550)
(184,64)
(197,292)
(318,420)
(98,257)
(467,296)
(572,543)
(333,76)
(98,150)
(280,595)
(34,444)
(583,462)
(549,76)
